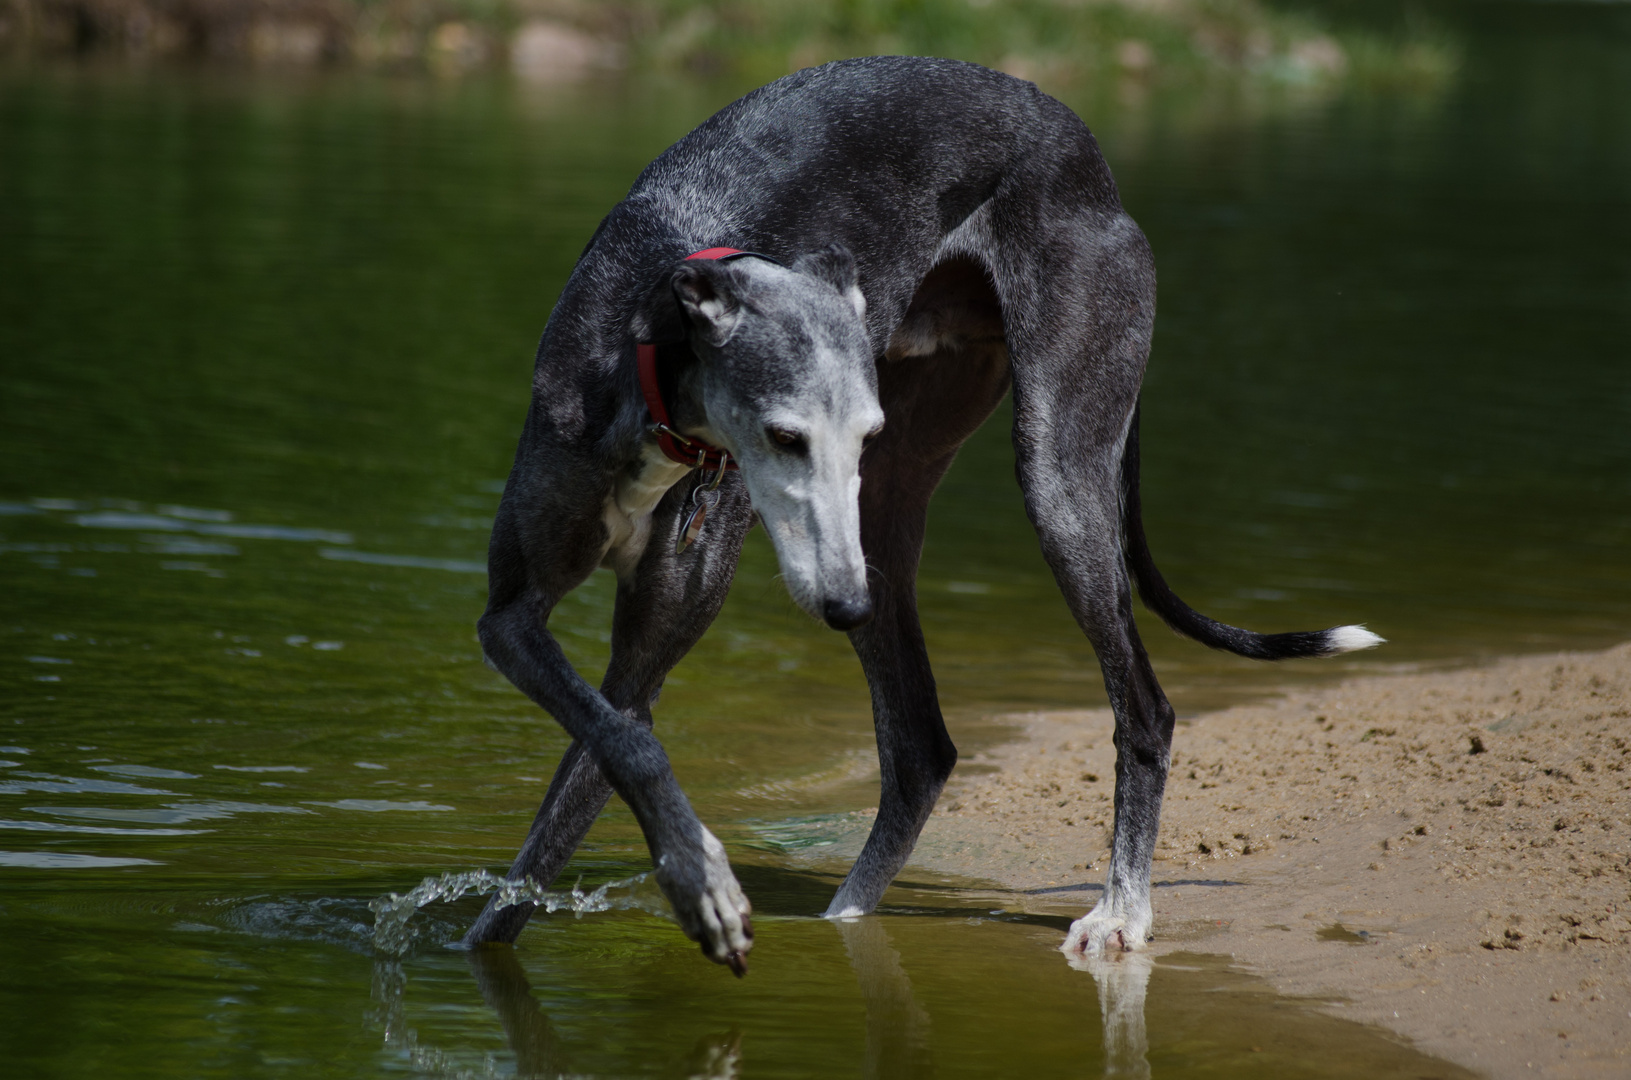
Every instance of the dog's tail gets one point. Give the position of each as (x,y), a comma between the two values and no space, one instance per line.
(1159,598)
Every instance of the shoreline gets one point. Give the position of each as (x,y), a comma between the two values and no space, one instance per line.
(1446,854)
(568,41)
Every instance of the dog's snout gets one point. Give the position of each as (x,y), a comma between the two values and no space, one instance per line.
(847,614)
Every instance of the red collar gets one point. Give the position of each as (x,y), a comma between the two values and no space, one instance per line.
(681,448)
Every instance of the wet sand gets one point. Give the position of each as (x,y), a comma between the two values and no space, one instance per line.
(1447,855)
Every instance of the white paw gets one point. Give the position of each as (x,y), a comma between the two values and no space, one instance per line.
(709,903)
(1098,933)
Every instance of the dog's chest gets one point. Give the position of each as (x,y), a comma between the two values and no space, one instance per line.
(628,508)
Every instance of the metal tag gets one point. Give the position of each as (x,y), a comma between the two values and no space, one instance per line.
(693,527)
(702,497)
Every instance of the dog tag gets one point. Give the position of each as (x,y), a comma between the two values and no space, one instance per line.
(693,527)
(703,499)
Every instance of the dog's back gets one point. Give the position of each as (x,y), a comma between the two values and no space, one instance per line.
(886,155)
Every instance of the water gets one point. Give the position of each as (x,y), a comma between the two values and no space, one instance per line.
(265,350)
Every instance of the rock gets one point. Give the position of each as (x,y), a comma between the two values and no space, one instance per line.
(458,45)
(287,42)
(553,52)
(1135,56)
(1323,57)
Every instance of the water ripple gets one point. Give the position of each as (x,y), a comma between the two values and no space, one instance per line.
(376,806)
(70,785)
(457,566)
(101,830)
(118,519)
(145,772)
(174,814)
(62,860)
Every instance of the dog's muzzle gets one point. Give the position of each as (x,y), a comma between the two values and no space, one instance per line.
(847,614)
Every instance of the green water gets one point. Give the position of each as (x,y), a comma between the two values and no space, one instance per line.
(264,352)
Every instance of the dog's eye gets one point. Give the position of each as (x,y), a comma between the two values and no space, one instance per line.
(784,437)
(873,434)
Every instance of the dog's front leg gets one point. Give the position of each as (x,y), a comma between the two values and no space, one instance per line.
(690,861)
(663,608)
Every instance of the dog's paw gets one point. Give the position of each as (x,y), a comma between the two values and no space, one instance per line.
(1096,934)
(708,902)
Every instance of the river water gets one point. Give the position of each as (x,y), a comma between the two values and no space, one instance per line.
(264,351)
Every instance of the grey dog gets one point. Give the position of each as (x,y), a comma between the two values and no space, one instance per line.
(918,236)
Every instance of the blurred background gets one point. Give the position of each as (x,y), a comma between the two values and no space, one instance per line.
(1064,43)
(271,276)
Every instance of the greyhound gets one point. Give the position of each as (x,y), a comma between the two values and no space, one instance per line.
(911,238)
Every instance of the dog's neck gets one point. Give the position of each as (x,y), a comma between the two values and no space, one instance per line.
(682,391)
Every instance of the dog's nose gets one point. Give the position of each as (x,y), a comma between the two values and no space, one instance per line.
(847,614)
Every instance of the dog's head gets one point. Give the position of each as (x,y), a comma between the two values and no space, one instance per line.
(786,382)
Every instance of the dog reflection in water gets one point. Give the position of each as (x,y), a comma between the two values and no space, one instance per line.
(505,989)
(897,1024)
(1122,979)
(539,1052)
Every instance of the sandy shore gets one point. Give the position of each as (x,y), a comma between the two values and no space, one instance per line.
(1443,854)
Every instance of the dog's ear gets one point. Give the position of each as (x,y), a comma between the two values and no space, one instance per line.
(657,318)
(706,291)
(836,266)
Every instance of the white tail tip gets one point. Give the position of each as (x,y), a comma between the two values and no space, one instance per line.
(1343,639)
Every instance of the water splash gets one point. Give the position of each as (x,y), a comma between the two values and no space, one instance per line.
(392,913)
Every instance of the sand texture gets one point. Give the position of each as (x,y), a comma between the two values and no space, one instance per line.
(1445,854)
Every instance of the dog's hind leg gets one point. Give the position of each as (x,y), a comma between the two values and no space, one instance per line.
(1072,495)
(663,608)
(1079,317)
(931,404)
(1098,593)
(1076,513)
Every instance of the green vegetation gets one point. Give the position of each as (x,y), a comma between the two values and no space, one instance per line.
(1059,43)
